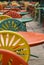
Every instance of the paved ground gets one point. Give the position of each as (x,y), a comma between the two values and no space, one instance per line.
(34,26)
(38,51)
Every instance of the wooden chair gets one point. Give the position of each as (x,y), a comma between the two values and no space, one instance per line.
(13,14)
(10,58)
(16,43)
(3,17)
(14,24)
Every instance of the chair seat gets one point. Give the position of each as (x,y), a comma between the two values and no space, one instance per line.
(33,38)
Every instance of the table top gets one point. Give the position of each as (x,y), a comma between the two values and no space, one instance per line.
(24,20)
(39,8)
(33,38)
(23,13)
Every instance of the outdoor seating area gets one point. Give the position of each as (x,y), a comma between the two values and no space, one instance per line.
(21,32)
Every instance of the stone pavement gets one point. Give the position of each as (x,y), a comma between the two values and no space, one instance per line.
(34,26)
(38,51)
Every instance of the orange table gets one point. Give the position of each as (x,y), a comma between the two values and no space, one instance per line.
(33,38)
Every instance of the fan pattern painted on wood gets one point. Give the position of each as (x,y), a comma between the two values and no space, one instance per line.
(14,42)
(11,58)
(12,24)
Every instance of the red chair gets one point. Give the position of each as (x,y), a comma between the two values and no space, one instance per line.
(13,14)
(11,57)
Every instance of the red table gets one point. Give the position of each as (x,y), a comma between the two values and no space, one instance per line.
(33,38)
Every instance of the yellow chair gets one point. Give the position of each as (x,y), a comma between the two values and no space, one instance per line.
(3,17)
(14,42)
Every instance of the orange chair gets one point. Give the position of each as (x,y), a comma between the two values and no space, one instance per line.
(12,58)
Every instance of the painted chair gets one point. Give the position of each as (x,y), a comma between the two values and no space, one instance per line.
(16,43)
(13,14)
(20,42)
(10,58)
(3,17)
(14,24)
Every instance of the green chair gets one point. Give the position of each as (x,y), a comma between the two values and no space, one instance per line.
(25,20)
(12,24)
